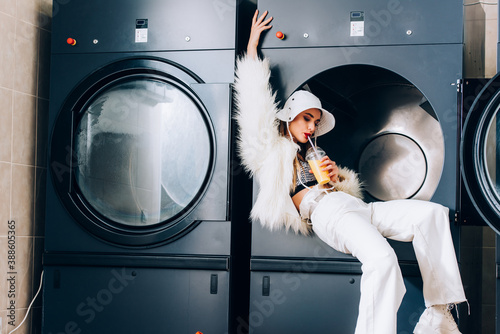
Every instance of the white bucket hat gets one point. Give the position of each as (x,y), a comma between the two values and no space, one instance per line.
(302,100)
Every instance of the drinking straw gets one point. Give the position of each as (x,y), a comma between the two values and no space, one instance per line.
(312,145)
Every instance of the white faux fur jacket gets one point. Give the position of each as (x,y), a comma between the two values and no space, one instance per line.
(266,154)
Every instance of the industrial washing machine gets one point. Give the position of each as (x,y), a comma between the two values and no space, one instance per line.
(480,161)
(138,215)
(388,71)
(479,157)
(480,170)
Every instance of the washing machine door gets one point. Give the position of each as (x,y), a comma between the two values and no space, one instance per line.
(133,152)
(480,153)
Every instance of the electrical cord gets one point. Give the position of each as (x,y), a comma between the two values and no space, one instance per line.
(29,307)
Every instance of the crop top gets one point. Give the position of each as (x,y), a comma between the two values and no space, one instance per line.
(304,178)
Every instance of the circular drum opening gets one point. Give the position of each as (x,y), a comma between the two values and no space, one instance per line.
(385,129)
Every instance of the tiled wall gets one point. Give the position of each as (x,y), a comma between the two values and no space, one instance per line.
(24,72)
(480,35)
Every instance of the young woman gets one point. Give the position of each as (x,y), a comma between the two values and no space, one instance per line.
(272,145)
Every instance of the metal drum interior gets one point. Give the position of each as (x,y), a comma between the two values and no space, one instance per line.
(385,129)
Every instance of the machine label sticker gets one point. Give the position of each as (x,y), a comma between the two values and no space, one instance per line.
(357,24)
(141,30)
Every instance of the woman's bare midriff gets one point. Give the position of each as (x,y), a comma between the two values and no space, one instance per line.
(297,198)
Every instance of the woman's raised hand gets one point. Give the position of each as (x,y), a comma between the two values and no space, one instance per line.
(258,26)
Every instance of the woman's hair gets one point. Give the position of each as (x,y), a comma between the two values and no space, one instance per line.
(300,154)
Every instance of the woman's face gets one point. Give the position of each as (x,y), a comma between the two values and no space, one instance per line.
(304,124)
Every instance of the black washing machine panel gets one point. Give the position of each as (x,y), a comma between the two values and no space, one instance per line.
(480,152)
(99,26)
(318,302)
(139,152)
(324,23)
(135,300)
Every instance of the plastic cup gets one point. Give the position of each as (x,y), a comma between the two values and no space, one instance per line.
(313,157)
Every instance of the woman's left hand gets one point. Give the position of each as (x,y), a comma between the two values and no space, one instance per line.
(259,25)
(331,168)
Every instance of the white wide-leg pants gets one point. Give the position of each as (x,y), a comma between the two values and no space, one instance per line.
(351,226)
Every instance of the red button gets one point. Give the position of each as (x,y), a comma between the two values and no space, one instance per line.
(71,41)
(280,35)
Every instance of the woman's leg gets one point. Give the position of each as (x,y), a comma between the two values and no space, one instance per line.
(344,223)
(426,224)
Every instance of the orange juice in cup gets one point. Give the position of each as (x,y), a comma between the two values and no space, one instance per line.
(313,157)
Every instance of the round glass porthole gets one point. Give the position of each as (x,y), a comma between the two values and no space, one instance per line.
(480,152)
(143,152)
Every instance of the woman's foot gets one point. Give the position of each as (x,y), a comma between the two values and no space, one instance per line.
(437,319)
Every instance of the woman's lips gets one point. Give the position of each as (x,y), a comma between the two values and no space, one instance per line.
(307,135)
